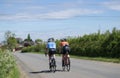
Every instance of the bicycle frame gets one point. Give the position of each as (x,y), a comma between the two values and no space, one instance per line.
(52,64)
(65,57)
(66,62)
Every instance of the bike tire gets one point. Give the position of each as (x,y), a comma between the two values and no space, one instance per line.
(63,65)
(53,65)
(68,65)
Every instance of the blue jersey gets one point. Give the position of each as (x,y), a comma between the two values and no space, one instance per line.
(51,45)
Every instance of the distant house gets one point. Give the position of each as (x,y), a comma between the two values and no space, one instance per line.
(19,45)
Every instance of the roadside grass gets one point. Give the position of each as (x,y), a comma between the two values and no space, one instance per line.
(8,66)
(15,73)
(102,59)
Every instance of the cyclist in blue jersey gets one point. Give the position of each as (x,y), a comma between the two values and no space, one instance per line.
(51,48)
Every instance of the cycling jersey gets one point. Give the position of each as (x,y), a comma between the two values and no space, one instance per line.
(63,44)
(51,45)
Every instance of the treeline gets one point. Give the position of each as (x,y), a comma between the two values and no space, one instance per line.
(92,45)
(18,44)
(97,44)
(34,48)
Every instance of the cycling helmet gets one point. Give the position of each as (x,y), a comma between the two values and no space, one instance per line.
(65,39)
(61,39)
(50,39)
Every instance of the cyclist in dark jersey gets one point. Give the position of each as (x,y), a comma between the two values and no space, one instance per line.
(64,43)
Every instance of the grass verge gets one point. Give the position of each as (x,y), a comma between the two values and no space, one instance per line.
(113,60)
(8,67)
(14,73)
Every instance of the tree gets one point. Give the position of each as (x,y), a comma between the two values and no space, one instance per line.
(38,41)
(97,44)
(28,41)
(11,40)
(19,40)
(9,34)
(29,38)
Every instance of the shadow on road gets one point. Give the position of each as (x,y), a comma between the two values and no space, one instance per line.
(45,71)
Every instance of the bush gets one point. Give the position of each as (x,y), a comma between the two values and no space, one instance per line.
(36,48)
(97,45)
(7,64)
(27,49)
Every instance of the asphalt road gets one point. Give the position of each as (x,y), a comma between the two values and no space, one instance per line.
(36,66)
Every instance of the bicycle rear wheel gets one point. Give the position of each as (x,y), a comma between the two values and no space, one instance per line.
(53,65)
(68,64)
(63,65)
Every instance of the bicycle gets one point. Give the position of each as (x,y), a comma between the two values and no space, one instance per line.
(66,62)
(52,64)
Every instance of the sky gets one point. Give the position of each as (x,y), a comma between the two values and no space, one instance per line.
(43,19)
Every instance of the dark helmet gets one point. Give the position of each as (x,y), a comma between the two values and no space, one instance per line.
(65,39)
(61,39)
(50,39)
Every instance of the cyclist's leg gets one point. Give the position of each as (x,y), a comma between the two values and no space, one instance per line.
(51,53)
(68,54)
(62,60)
(54,57)
(49,56)
(67,57)
(62,56)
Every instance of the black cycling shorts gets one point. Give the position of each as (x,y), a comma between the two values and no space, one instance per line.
(52,51)
(65,51)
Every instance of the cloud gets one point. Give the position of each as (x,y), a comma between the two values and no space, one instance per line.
(34,8)
(18,1)
(70,13)
(114,5)
(63,14)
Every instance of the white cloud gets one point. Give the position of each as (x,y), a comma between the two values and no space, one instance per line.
(18,1)
(114,5)
(71,13)
(63,14)
(57,10)
(34,8)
